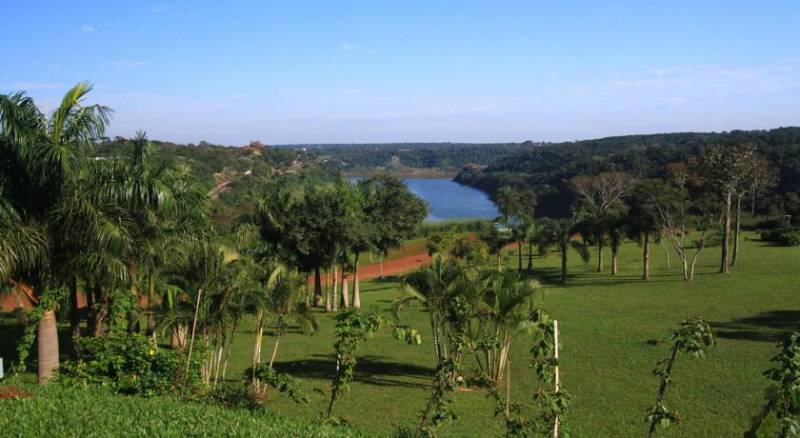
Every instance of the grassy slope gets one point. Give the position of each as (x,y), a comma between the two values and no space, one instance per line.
(605,322)
(75,412)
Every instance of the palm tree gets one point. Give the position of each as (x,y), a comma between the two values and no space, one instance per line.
(436,286)
(39,190)
(503,307)
(559,233)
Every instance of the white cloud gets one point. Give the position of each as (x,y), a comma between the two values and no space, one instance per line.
(27,86)
(88,28)
(350,47)
(160,9)
(119,66)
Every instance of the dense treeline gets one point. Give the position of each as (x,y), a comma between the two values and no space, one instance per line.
(548,169)
(443,156)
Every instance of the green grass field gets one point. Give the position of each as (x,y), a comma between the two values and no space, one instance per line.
(605,322)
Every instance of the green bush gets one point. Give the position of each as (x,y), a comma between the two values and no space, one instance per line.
(129,364)
(789,237)
(782,236)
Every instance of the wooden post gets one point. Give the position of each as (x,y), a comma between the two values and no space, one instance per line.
(557,377)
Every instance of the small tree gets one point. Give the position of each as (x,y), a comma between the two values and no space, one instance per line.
(692,337)
(784,400)
(600,195)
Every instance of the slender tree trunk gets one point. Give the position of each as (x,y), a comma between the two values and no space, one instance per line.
(151,317)
(662,387)
(75,312)
(328,290)
(257,346)
(317,287)
(646,256)
(726,232)
(753,200)
(736,229)
(564,248)
(519,256)
(600,252)
(345,290)
(308,292)
(335,304)
(614,259)
(47,334)
(356,286)
(530,255)
(381,263)
(275,349)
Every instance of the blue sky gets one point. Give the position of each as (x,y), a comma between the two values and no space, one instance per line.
(392,71)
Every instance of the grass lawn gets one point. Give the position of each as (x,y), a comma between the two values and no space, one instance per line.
(605,323)
(607,363)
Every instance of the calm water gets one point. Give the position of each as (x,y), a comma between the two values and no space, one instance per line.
(449,200)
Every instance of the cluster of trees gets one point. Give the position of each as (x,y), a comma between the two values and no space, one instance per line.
(548,169)
(131,233)
(698,203)
(328,225)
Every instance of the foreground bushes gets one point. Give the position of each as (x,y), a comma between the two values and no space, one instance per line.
(130,364)
(58,411)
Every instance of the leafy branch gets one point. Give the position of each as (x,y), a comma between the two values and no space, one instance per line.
(785,399)
(692,337)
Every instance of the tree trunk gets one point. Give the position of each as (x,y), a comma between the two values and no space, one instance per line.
(356,286)
(530,255)
(317,287)
(726,232)
(564,249)
(599,253)
(328,285)
(519,256)
(47,334)
(345,290)
(177,338)
(737,229)
(614,263)
(646,257)
(275,350)
(75,312)
(381,263)
(335,304)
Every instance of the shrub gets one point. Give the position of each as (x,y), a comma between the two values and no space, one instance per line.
(129,364)
(783,236)
(789,237)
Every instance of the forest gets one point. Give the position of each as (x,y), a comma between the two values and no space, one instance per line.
(548,169)
(227,287)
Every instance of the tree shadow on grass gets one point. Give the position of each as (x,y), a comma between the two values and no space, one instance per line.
(552,276)
(370,370)
(772,326)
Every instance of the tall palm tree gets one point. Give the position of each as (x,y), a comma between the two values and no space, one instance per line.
(39,188)
(435,286)
(503,306)
(559,233)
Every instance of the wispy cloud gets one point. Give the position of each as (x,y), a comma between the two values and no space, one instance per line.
(160,9)
(28,86)
(88,28)
(119,66)
(350,47)
(170,10)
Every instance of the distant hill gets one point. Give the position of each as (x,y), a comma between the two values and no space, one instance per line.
(548,168)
